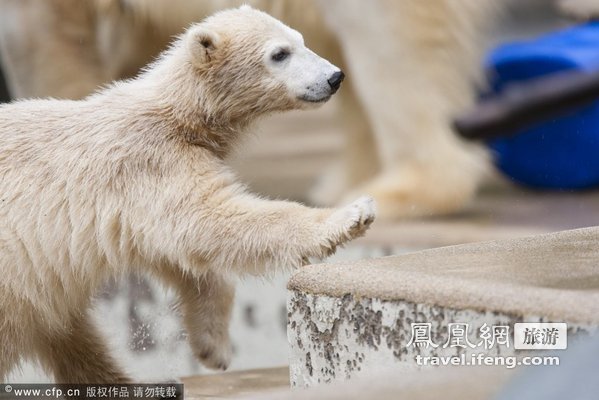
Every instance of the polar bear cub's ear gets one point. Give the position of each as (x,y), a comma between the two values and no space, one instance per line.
(203,44)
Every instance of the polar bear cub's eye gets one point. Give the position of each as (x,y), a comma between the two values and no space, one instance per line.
(280,55)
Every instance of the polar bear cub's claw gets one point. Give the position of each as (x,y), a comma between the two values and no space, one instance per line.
(362,213)
(355,218)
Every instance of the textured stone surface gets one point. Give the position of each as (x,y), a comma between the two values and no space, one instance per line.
(341,338)
(555,275)
(351,318)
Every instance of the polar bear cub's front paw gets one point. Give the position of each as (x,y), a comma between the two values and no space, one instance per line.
(339,227)
(355,218)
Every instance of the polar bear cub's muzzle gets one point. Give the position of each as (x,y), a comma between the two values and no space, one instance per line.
(318,78)
(308,77)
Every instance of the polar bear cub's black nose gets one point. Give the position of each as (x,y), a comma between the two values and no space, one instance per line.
(335,80)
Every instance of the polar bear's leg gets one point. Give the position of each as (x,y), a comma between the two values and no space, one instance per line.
(249,235)
(34,32)
(414,72)
(8,350)
(79,355)
(581,9)
(206,305)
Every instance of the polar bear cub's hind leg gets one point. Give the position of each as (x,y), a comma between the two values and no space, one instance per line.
(79,355)
(9,354)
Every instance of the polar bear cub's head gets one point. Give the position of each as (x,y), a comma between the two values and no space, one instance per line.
(253,63)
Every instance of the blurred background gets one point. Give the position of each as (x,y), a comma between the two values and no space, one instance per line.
(67,48)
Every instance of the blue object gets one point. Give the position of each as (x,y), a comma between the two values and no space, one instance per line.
(562,153)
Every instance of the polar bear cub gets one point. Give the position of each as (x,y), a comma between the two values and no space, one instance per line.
(133,178)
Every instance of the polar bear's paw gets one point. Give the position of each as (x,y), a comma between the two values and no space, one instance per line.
(354,219)
(214,351)
(414,190)
(361,214)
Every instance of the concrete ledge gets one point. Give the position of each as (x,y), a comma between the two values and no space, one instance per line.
(345,319)
(555,275)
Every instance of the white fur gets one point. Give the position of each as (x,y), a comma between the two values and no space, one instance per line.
(133,179)
(303,72)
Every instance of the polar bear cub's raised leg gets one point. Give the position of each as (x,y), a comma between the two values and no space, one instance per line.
(250,235)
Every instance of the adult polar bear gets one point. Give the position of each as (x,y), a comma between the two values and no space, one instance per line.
(412,65)
(133,179)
